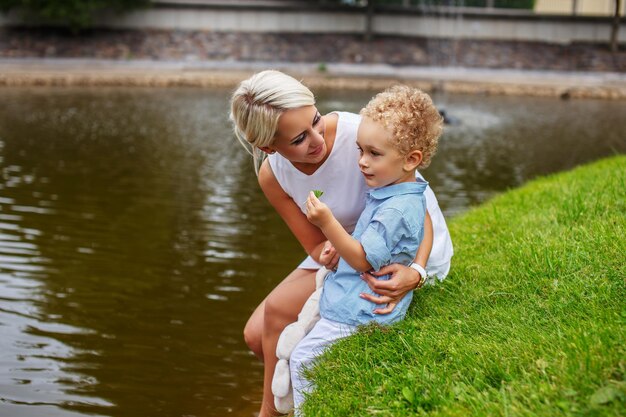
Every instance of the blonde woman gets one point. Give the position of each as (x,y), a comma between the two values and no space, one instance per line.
(296,150)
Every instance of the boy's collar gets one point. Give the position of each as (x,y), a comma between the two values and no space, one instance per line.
(413,187)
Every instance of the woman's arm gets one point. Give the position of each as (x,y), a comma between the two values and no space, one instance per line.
(309,236)
(426,245)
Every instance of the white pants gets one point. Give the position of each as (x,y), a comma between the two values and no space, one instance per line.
(321,336)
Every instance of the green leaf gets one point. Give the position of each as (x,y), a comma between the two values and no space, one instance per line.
(568,392)
(563,405)
(318,193)
(408,394)
(603,395)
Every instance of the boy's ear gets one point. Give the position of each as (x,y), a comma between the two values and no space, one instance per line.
(412,160)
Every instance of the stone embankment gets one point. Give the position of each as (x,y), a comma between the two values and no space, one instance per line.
(203,59)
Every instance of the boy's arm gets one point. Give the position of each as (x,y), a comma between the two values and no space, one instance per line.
(346,246)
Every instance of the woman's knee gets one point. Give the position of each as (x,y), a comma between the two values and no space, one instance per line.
(279,312)
(253,336)
(283,305)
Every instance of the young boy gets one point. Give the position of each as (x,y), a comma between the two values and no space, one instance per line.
(398,133)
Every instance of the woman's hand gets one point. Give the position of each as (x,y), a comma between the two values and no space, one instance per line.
(403,279)
(329,256)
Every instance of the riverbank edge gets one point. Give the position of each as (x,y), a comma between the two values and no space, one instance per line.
(527,323)
(59,72)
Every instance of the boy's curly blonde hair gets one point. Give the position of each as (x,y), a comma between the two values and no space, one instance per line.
(412,118)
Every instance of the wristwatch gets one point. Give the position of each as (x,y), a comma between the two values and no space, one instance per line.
(419,269)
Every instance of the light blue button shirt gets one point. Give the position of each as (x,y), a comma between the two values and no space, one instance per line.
(390,230)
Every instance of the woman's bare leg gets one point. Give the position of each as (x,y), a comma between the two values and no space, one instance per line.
(253,332)
(280,308)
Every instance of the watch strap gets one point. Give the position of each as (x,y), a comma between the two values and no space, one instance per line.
(419,269)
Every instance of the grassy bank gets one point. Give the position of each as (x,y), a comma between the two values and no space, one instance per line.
(530,322)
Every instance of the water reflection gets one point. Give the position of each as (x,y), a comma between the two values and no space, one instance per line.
(34,361)
(134,241)
(135,216)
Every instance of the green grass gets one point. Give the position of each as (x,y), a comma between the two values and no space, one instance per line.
(530,321)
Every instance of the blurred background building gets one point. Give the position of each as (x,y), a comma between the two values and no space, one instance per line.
(475,33)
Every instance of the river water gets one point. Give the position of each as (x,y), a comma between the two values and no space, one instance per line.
(135,242)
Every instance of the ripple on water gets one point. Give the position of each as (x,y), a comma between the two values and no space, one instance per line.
(216,297)
(34,363)
(38,372)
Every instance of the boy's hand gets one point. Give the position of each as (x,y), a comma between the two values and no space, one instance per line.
(329,256)
(317,212)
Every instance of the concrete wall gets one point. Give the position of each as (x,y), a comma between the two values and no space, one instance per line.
(5,20)
(519,26)
(240,20)
(553,31)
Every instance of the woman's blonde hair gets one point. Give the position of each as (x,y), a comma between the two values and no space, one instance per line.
(258,103)
(412,118)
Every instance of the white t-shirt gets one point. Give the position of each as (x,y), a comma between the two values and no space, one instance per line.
(345,190)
